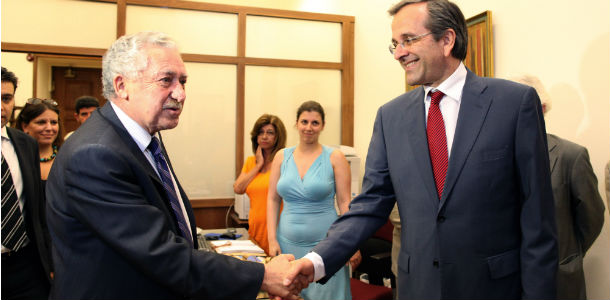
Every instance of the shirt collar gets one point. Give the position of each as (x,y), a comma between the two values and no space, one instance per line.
(453,85)
(137,132)
(5,133)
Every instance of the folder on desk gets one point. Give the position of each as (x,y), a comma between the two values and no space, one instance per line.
(236,246)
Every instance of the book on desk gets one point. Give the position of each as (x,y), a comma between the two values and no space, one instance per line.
(243,249)
(236,246)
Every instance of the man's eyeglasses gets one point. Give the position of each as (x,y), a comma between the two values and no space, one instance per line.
(407,42)
(35,101)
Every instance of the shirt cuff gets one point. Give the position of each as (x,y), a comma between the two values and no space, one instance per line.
(318,265)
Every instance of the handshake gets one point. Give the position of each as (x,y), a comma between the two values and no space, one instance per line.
(286,277)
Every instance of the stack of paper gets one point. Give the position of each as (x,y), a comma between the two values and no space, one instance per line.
(236,246)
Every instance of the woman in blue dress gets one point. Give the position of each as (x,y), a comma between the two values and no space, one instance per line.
(307,177)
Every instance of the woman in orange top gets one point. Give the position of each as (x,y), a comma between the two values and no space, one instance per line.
(268,136)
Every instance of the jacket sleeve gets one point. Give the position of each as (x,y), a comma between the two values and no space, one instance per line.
(367,212)
(539,257)
(116,199)
(586,202)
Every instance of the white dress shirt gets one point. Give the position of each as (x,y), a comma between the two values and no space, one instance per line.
(142,139)
(452,87)
(10,156)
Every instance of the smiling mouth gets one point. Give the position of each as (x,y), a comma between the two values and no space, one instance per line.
(410,63)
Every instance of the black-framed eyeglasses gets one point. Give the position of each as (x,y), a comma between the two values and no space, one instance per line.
(406,42)
(35,101)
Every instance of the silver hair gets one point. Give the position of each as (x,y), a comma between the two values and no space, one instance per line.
(125,57)
(534,82)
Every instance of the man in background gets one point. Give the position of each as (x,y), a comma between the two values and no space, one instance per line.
(579,208)
(465,158)
(121,225)
(26,256)
(607,176)
(83,107)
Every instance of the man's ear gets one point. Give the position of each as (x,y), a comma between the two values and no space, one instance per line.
(120,87)
(544,108)
(448,40)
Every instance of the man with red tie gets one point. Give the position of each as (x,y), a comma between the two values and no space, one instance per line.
(465,159)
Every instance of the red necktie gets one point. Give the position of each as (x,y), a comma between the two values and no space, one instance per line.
(437,141)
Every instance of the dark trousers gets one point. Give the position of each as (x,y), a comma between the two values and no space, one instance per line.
(23,276)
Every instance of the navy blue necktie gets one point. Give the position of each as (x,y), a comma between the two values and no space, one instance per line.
(168,184)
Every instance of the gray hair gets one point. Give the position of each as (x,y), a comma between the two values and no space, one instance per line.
(534,82)
(442,15)
(125,57)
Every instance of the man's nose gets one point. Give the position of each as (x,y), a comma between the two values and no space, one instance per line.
(400,51)
(179,93)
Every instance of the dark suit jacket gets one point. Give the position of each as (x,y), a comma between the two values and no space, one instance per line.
(26,148)
(113,230)
(492,234)
(579,210)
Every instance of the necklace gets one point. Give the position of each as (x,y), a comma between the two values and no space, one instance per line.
(50,158)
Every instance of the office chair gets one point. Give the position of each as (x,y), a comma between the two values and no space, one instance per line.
(376,262)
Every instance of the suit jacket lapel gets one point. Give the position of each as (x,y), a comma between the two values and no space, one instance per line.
(22,149)
(473,110)
(415,133)
(553,151)
(20,145)
(109,114)
(185,199)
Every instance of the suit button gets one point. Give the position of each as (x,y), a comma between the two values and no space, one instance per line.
(435,263)
(440,219)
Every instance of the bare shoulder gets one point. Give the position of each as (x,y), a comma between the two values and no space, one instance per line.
(337,154)
(337,157)
(279,155)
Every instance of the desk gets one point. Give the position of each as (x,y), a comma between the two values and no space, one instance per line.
(244,236)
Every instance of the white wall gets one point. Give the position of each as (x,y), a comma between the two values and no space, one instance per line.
(212,87)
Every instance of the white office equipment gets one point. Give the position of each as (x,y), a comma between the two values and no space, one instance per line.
(354,164)
(242,206)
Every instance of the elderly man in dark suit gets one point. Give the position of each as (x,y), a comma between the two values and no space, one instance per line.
(465,158)
(26,257)
(579,208)
(120,223)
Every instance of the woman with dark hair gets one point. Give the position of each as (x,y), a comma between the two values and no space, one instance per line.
(307,178)
(268,136)
(40,119)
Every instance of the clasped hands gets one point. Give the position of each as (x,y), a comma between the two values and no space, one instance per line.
(285,277)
